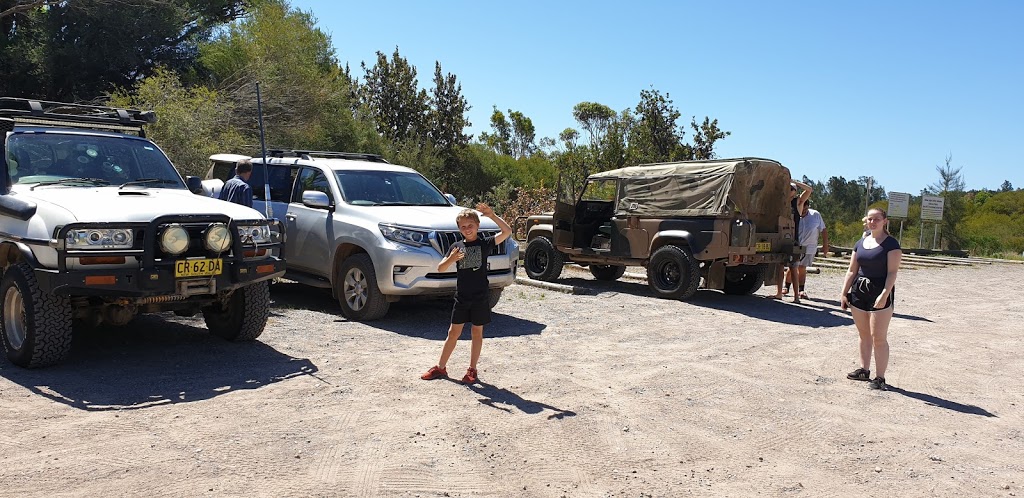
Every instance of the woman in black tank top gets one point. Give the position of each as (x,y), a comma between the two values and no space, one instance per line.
(869,291)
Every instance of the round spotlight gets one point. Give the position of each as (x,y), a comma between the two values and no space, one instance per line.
(174,240)
(218,238)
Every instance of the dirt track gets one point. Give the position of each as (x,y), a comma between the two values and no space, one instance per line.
(612,393)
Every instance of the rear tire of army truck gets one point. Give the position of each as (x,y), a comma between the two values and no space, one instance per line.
(244,316)
(673,273)
(543,261)
(360,298)
(36,327)
(608,273)
(744,281)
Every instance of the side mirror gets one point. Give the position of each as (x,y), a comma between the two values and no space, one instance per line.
(316,199)
(451,199)
(195,184)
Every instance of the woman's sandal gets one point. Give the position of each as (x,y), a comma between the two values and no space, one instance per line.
(859,374)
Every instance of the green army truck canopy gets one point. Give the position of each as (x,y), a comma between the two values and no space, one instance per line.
(756,187)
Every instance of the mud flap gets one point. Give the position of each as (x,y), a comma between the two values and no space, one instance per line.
(772,275)
(715,278)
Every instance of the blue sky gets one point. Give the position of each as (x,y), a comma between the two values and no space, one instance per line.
(881,89)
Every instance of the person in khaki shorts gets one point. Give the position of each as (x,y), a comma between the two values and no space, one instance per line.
(472,302)
(811,225)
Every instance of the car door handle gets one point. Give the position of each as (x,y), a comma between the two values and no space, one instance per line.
(289,217)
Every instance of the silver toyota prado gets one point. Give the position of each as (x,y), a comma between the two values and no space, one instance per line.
(370,231)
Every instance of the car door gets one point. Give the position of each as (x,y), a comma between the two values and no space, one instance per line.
(310,228)
(565,211)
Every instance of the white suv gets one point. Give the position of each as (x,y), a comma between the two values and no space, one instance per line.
(370,231)
(96,226)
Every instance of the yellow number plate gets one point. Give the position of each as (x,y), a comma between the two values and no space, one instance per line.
(198,267)
(764,247)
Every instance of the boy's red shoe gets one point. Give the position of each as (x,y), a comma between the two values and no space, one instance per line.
(435,372)
(470,377)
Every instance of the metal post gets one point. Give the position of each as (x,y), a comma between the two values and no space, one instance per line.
(935,238)
(901,232)
(920,240)
(263,145)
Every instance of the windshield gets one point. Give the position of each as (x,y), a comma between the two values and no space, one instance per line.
(53,158)
(388,188)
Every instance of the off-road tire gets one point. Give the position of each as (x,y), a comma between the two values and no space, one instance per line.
(743,283)
(358,294)
(672,273)
(35,326)
(494,297)
(543,261)
(607,273)
(244,316)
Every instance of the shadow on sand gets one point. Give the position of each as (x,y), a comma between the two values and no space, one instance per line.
(153,362)
(505,400)
(943,403)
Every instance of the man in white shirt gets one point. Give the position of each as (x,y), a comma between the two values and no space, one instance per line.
(811,224)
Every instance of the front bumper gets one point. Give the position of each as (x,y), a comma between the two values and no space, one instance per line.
(153,274)
(156,281)
(410,271)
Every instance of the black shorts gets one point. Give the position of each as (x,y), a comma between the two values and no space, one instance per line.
(476,311)
(865,292)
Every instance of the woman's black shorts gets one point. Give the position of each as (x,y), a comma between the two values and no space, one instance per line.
(864,292)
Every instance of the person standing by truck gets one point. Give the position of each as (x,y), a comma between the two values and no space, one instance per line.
(796,201)
(237,189)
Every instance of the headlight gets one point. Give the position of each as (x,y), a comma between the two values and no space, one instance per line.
(174,239)
(254,234)
(104,238)
(405,235)
(218,237)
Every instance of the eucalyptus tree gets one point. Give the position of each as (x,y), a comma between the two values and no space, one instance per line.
(306,95)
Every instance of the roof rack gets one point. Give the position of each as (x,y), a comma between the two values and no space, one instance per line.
(309,154)
(47,113)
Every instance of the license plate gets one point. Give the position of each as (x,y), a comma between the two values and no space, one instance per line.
(764,247)
(198,267)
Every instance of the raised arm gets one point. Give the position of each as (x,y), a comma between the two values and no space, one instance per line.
(805,194)
(506,231)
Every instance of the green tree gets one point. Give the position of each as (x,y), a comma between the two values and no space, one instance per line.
(655,137)
(306,95)
(447,122)
(704,137)
(192,123)
(524,135)
(82,50)
(500,141)
(951,188)
(390,91)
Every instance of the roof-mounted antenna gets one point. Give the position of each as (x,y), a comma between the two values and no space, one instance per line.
(263,145)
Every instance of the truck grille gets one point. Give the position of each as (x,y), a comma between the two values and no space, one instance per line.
(442,241)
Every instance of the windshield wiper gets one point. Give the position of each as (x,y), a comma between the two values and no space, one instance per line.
(143,181)
(394,203)
(73,181)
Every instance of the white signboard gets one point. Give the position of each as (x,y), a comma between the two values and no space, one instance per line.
(931,207)
(899,204)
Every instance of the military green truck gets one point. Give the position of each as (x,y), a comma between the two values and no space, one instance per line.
(719,224)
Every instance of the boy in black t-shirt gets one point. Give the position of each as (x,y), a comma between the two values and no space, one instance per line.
(472,296)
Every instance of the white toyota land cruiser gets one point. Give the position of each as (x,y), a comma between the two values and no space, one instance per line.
(370,231)
(96,225)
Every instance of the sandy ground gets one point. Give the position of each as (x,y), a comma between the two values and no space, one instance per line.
(610,393)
